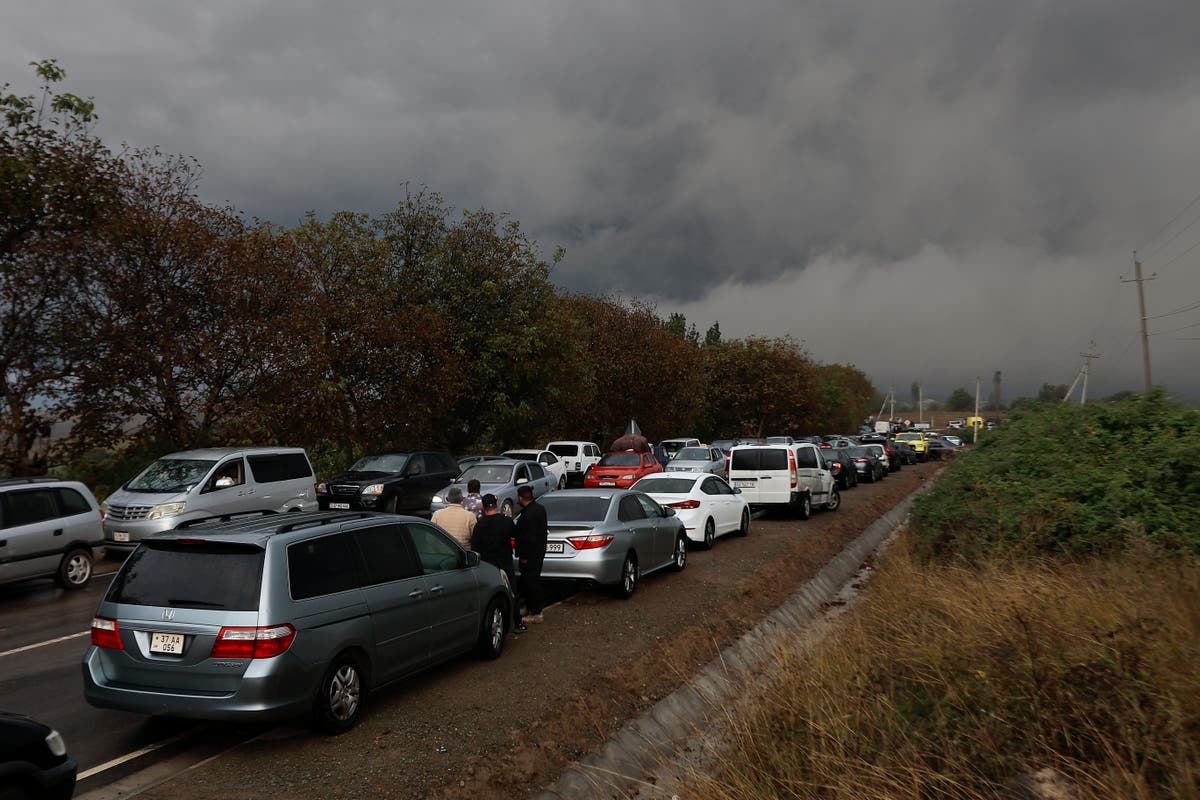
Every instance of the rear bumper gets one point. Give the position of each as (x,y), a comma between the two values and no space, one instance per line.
(602,566)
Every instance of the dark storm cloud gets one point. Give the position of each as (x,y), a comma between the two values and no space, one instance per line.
(699,152)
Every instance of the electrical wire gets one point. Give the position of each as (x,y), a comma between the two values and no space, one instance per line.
(1174,219)
(1190,307)
(1178,233)
(1176,258)
(1175,330)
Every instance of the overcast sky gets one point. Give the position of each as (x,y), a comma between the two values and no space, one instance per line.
(932,190)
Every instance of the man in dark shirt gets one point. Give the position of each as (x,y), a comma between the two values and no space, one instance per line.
(532,530)
(492,539)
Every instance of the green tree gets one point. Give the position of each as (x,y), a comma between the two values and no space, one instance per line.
(713,335)
(1050,393)
(58,184)
(960,400)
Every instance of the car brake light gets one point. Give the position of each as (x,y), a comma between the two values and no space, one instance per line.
(685,504)
(591,541)
(861,460)
(253,642)
(792,469)
(106,634)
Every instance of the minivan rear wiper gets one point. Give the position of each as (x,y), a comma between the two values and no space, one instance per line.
(192,601)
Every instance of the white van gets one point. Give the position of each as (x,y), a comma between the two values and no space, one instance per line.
(578,456)
(791,476)
(205,483)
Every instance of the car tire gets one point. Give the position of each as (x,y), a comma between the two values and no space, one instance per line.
(339,700)
(744,529)
(869,476)
(506,508)
(835,500)
(491,634)
(680,556)
(710,534)
(75,569)
(631,575)
(393,504)
(562,482)
(804,506)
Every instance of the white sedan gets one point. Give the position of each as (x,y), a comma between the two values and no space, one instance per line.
(707,505)
(550,462)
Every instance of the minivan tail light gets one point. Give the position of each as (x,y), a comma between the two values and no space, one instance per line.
(253,642)
(106,634)
(792,472)
(591,541)
(685,504)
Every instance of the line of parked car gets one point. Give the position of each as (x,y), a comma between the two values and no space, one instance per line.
(253,591)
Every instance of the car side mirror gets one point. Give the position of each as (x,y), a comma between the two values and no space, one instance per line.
(669,512)
(473,558)
(736,490)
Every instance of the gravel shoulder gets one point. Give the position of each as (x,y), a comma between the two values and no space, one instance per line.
(504,729)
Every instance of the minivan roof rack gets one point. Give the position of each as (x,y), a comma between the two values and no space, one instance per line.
(191,523)
(310,521)
(34,479)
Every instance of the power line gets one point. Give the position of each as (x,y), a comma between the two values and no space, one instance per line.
(1174,219)
(1178,233)
(1183,310)
(1181,255)
(1176,330)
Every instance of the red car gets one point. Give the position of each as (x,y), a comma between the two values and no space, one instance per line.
(620,470)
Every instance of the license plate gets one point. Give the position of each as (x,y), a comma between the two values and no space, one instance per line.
(340,505)
(608,483)
(167,643)
(744,484)
(554,547)
(120,536)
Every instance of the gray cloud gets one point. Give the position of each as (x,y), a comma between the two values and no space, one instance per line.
(704,153)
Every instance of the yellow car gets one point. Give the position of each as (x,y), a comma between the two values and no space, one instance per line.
(917,440)
(975,422)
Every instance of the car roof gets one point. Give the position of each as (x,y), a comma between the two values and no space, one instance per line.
(40,479)
(221,452)
(257,528)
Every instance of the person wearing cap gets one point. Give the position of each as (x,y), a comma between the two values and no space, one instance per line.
(492,539)
(454,519)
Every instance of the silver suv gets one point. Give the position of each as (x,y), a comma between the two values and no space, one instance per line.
(275,616)
(195,484)
(48,528)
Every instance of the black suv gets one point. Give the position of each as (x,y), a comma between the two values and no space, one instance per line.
(402,483)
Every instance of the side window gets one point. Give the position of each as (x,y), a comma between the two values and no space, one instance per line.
(548,458)
(710,486)
(416,465)
(630,509)
(28,507)
(594,451)
(265,468)
(520,473)
(324,565)
(435,550)
(387,553)
(72,502)
(230,473)
(535,472)
(806,458)
(651,508)
(292,466)
(648,460)
(448,463)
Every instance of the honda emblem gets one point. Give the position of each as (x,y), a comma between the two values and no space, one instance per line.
(168,614)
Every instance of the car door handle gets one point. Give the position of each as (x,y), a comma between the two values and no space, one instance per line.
(415,594)
(58,532)
(436,590)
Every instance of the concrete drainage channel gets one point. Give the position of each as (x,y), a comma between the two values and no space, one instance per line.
(638,761)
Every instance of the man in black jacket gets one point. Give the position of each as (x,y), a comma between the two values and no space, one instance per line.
(532,530)
(492,539)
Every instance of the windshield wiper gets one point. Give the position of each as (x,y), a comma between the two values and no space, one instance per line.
(192,601)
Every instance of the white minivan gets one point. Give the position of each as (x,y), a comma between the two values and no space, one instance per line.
(791,476)
(206,483)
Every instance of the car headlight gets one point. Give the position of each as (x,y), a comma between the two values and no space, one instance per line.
(374,488)
(165,510)
(56,744)
(628,477)
(437,498)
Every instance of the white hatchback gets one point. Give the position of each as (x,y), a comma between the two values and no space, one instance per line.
(707,505)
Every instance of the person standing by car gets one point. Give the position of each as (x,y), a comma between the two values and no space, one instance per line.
(473,502)
(454,519)
(532,531)
(492,539)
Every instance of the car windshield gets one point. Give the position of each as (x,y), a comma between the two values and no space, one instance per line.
(171,475)
(575,508)
(386,462)
(665,485)
(487,473)
(621,460)
(693,454)
(564,449)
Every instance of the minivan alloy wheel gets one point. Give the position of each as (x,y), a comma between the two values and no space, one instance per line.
(75,569)
(344,691)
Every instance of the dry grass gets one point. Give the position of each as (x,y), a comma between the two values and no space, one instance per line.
(949,683)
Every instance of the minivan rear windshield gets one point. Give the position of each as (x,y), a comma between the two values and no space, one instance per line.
(171,475)
(216,575)
(564,449)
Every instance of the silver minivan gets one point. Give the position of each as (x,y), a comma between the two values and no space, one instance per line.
(48,528)
(272,616)
(203,483)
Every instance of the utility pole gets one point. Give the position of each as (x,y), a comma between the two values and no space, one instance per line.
(1083,373)
(975,427)
(920,404)
(1139,280)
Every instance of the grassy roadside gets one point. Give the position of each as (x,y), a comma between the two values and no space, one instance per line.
(964,668)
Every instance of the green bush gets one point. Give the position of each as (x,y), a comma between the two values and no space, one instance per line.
(1070,480)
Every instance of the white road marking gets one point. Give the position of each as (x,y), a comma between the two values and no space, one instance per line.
(46,643)
(118,761)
